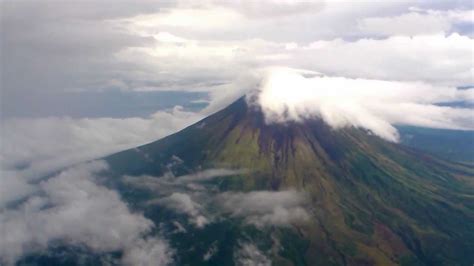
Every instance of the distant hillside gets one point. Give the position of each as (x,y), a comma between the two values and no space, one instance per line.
(454,145)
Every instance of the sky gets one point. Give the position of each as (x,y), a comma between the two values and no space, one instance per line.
(83,79)
(100,76)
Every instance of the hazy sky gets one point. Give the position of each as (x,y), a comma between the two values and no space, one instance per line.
(103,75)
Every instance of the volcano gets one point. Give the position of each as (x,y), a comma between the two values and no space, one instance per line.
(369,201)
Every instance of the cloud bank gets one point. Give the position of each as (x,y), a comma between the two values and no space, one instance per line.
(248,254)
(182,203)
(263,208)
(203,203)
(72,207)
(182,194)
(35,147)
(176,45)
(148,252)
(291,95)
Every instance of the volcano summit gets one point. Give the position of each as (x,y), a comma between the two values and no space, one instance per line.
(233,188)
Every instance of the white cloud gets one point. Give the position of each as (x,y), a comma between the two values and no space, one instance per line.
(148,252)
(167,37)
(179,227)
(437,56)
(208,174)
(180,46)
(248,254)
(182,194)
(262,208)
(374,105)
(13,187)
(416,22)
(192,18)
(71,207)
(259,208)
(436,59)
(211,251)
(170,182)
(36,147)
(274,8)
(183,203)
(406,24)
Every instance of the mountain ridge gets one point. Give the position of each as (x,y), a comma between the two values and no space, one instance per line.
(372,202)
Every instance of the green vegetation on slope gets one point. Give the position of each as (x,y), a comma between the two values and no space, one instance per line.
(372,202)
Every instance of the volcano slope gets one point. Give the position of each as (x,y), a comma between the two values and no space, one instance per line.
(370,202)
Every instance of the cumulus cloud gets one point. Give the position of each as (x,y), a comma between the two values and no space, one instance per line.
(149,252)
(168,181)
(211,251)
(201,55)
(56,210)
(208,174)
(431,52)
(35,147)
(416,22)
(271,8)
(195,18)
(13,187)
(262,208)
(375,105)
(259,208)
(177,45)
(183,203)
(35,212)
(182,194)
(248,254)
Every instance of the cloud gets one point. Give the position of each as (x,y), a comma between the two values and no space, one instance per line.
(13,187)
(56,210)
(183,203)
(262,208)
(178,46)
(33,212)
(196,19)
(169,182)
(436,56)
(36,147)
(374,105)
(179,227)
(208,174)
(68,45)
(271,8)
(182,194)
(416,22)
(213,249)
(248,254)
(149,252)
(436,59)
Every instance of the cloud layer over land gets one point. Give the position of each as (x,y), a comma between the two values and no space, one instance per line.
(36,147)
(261,208)
(376,105)
(74,208)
